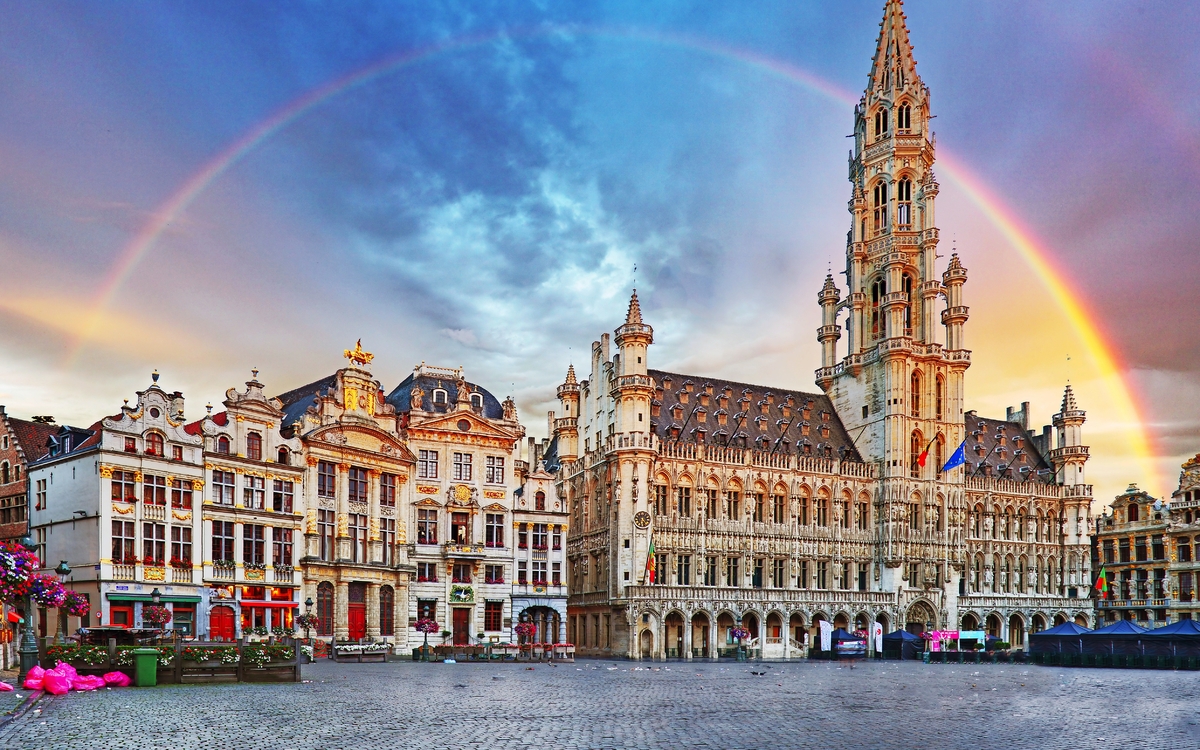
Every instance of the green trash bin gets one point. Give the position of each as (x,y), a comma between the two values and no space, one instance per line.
(145,667)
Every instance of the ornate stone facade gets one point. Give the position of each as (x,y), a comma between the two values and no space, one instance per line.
(777,508)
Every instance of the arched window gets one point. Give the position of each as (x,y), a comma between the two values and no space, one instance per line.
(154,444)
(439,397)
(881,123)
(978,526)
(254,446)
(908,309)
(283,457)
(387,610)
(477,400)
(846,510)
(878,289)
(915,444)
(4,473)
(904,118)
(325,608)
(939,454)
(914,394)
(939,396)
(880,207)
(539,500)
(1133,512)
(904,204)
(223,445)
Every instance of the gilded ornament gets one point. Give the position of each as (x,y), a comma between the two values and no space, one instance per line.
(462,493)
(106,471)
(357,356)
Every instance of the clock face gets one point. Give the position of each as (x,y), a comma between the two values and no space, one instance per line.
(641,519)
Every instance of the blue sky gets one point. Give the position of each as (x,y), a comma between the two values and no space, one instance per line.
(485,206)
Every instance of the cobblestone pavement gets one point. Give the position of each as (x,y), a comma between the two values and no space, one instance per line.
(604,704)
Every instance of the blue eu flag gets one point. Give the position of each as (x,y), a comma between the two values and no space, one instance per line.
(958,458)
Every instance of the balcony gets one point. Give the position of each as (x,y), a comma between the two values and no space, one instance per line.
(181,575)
(154,512)
(463,550)
(124,572)
(223,574)
(283,575)
(758,597)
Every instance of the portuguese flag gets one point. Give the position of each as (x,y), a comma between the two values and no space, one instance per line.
(650,565)
(1102,584)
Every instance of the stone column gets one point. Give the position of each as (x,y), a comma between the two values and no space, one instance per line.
(343,510)
(687,639)
(341,602)
(372,604)
(712,638)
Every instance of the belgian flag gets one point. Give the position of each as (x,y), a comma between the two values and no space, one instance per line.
(651,565)
(1102,584)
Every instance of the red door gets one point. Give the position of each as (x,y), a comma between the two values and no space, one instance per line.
(462,626)
(356,611)
(220,623)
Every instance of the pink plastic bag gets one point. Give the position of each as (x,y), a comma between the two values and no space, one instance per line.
(32,684)
(35,672)
(5,687)
(87,682)
(117,679)
(66,670)
(55,682)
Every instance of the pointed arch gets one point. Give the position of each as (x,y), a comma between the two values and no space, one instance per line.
(939,396)
(914,393)
(916,442)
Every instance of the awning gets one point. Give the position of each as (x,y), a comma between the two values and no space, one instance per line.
(165,598)
(245,603)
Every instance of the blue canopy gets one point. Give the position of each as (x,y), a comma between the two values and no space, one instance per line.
(1176,629)
(1120,627)
(840,634)
(901,635)
(1067,628)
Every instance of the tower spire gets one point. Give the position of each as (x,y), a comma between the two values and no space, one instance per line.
(893,65)
(635,310)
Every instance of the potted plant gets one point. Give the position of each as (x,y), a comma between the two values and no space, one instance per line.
(156,615)
(425,626)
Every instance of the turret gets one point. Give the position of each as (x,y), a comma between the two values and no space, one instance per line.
(955,313)
(1071,454)
(829,332)
(631,388)
(566,428)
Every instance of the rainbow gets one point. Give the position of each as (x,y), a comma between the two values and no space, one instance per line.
(1032,250)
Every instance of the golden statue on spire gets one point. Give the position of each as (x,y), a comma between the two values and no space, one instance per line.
(357,356)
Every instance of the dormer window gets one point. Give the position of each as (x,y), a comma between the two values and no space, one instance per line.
(283,457)
(683,397)
(677,412)
(130,445)
(439,397)
(701,415)
(223,445)
(254,446)
(667,383)
(176,452)
(477,401)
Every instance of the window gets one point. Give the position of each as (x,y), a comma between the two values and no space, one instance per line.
(439,396)
(254,544)
(325,528)
(176,452)
(939,395)
(222,445)
(710,503)
(1133,513)
(864,515)
(13,509)
(326,479)
(123,550)
(254,446)
(556,574)
(154,444)
(822,575)
(462,467)
(181,544)
(460,528)
(181,493)
(732,578)
(914,394)
(387,490)
(358,537)
(495,470)
(1157,549)
(154,490)
(522,536)
(154,544)
(427,465)
(427,609)
(427,572)
(387,535)
(281,496)
(844,511)
(539,572)
(760,507)
(556,537)
(281,547)
(387,610)
(222,484)
(733,505)
(880,212)
(477,401)
(779,573)
(283,457)
(1139,549)
(821,510)
(358,485)
(325,608)
(222,540)
(802,579)
(756,579)
(494,530)
(539,500)
(1183,549)
(493,574)
(684,496)
(778,508)
(683,570)
(660,500)
(493,615)
(904,118)
(904,205)
(539,536)
(522,574)
(122,486)
(427,526)
(881,123)
(254,492)
(662,572)
(710,571)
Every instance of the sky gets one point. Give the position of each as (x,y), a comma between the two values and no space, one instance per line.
(205,188)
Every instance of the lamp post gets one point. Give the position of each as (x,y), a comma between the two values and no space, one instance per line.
(308,605)
(63,570)
(29,648)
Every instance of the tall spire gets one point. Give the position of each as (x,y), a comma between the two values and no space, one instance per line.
(571,375)
(635,310)
(1068,402)
(893,66)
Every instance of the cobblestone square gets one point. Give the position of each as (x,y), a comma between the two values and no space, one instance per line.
(605,704)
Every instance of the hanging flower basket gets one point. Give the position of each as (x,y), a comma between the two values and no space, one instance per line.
(48,591)
(739,633)
(17,566)
(77,604)
(156,615)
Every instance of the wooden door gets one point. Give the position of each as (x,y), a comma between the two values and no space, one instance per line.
(220,623)
(356,611)
(462,626)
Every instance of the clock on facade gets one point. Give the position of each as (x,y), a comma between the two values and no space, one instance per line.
(641,519)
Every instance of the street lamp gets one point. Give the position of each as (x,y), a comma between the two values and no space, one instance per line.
(308,605)
(63,570)
(156,596)
(29,648)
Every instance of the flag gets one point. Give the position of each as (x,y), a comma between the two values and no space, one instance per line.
(924,454)
(650,564)
(1102,584)
(958,458)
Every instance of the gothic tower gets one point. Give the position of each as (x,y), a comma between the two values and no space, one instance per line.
(899,387)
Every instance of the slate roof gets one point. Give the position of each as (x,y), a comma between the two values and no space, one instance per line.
(297,400)
(998,448)
(32,436)
(400,399)
(755,416)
